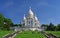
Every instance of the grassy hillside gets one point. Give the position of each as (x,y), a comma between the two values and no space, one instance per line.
(2,33)
(57,33)
(30,34)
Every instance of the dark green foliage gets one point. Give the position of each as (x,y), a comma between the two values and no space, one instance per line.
(52,27)
(1,20)
(5,23)
(58,26)
(55,28)
(8,23)
(20,25)
(44,25)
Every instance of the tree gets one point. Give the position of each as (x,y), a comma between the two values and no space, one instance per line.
(1,20)
(7,24)
(20,25)
(44,25)
(50,27)
(58,26)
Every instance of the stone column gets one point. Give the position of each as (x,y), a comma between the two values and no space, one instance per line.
(30,22)
(25,23)
(33,22)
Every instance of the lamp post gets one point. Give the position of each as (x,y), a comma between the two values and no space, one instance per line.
(4,23)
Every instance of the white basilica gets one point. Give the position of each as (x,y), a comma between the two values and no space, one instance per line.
(30,21)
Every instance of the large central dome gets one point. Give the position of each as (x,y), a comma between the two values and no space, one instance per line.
(30,12)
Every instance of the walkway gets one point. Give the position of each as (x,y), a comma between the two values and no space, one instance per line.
(11,35)
(49,35)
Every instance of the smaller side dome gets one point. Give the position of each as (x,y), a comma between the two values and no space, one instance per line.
(36,18)
(24,18)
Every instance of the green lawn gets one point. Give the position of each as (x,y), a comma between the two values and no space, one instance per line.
(57,33)
(29,34)
(2,33)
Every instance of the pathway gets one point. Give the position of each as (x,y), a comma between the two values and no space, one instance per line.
(11,35)
(49,35)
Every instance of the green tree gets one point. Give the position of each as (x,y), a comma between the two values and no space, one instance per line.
(20,25)
(1,20)
(50,27)
(7,24)
(58,26)
(55,28)
(44,25)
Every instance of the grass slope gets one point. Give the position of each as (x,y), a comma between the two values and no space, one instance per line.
(57,33)
(2,33)
(29,34)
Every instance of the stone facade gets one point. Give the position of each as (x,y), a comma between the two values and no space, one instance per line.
(30,21)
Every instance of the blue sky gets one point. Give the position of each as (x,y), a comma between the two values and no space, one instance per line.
(46,10)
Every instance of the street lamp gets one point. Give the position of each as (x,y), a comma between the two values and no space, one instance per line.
(4,23)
